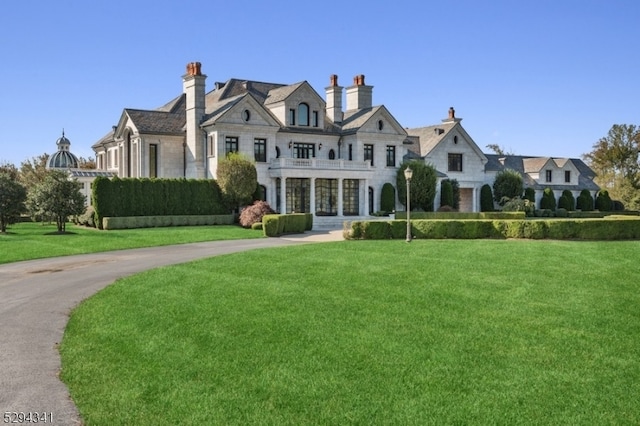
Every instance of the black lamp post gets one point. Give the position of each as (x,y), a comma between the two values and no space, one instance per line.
(408,174)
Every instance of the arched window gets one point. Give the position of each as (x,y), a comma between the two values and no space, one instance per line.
(303,114)
(332,154)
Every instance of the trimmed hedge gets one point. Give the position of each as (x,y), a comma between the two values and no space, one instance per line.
(155,197)
(131,222)
(627,228)
(275,225)
(461,215)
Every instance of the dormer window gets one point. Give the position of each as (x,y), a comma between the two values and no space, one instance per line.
(567,176)
(549,176)
(303,114)
(292,117)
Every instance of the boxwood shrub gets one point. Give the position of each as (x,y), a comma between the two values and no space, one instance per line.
(625,228)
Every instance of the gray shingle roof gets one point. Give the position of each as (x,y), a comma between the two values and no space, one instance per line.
(429,136)
(517,163)
(355,119)
(157,122)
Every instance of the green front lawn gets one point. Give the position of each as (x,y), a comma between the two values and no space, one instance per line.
(367,332)
(24,241)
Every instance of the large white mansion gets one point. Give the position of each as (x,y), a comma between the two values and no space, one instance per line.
(311,155)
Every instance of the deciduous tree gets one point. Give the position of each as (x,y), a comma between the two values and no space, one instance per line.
(12,198)
(237,177)
(508,183)
(615,159)
(58,197)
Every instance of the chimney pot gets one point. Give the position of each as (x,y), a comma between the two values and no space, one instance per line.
(333,80)
(194,68)
(452,113)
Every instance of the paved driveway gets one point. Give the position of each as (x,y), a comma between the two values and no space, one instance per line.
(37,296)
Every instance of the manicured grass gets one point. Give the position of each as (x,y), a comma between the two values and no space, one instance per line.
(367,332)
(25,241)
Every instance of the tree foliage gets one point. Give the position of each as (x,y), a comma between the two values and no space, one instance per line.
(423,185)
(388,198)
(12,200)
(615,159)
(603,201)
(498,149)
(237,177)
(57,197)
(33,171)
(508,183)
(486,198)
(548,200)
(584,201)
(446,193)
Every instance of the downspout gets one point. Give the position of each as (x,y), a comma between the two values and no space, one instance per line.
(184,159)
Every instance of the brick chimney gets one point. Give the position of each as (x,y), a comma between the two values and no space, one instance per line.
(193,86)
(359,95)
(334,100)
(451,117)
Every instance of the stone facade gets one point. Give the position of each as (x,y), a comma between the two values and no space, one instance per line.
(310,155)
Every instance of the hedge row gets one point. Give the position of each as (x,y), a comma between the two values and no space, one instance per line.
(275,225)
(559,229)
(131,222)
(461,215)
(155,197)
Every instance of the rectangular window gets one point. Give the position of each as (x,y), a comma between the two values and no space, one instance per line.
(350,152)
(351,197)
(304,150)
(211,147)
(315,119)
(368,153)
(391,156)
(292,117)
(548,176)
(230,144)
(326,197)
(260,150)
(567,176)
(455,162)
(298,196)
(153,160)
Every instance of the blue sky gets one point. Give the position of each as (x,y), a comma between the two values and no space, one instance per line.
(537,77)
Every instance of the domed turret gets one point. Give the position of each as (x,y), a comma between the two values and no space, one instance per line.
(63,159)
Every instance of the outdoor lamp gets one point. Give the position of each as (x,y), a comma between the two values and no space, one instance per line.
(408,174)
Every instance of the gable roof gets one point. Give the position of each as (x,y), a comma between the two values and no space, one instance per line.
(517,162)
(429,137)
(235,87)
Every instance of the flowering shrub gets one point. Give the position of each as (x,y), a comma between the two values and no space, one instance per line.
(253,213)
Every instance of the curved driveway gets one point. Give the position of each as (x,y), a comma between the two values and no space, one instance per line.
(37,296)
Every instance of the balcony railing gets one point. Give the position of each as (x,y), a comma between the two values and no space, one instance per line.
(320,164)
